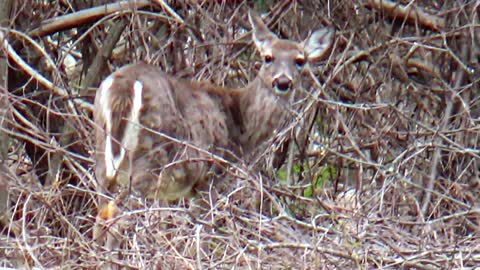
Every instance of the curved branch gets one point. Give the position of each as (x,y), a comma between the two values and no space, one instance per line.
(37,76)
(410,13)
(84,16)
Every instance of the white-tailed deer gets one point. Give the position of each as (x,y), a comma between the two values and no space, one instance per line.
(151,125)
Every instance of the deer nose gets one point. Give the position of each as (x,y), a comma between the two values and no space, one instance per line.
(282,83)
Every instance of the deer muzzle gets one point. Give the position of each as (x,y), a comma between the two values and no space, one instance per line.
(282,84)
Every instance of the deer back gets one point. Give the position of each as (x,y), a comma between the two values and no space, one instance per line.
(155,131)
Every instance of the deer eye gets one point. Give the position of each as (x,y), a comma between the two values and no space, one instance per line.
(300,62)
(268,59)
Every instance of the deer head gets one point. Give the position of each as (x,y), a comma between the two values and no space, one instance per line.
(284,59)
(265,106)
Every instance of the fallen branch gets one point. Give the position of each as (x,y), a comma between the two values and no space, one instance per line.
(84,16)
(410,13)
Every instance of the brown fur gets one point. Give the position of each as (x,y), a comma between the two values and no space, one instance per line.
(196,116)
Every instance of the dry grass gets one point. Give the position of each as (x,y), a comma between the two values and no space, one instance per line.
(386,176)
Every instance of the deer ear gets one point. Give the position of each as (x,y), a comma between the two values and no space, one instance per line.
(318,44)
(261,35)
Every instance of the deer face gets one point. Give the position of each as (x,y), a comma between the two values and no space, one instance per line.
(283,60)
(265,107)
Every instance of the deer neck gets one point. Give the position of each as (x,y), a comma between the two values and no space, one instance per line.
(262,114)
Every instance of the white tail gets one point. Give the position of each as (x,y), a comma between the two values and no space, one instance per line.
(136,103)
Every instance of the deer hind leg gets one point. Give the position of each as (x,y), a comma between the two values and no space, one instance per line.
(114,163)
(108,232)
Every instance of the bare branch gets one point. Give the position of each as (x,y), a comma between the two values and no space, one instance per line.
(411,13)
(85,16)
(37,76)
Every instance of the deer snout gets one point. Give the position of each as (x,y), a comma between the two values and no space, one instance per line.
(282,83)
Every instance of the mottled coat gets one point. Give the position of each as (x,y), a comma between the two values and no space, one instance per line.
(158,132)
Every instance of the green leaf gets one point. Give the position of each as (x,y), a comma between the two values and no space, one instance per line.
(325,173)
(308,192)
(282,175)
(297,168)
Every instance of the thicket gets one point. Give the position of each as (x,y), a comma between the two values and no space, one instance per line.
(382,169)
